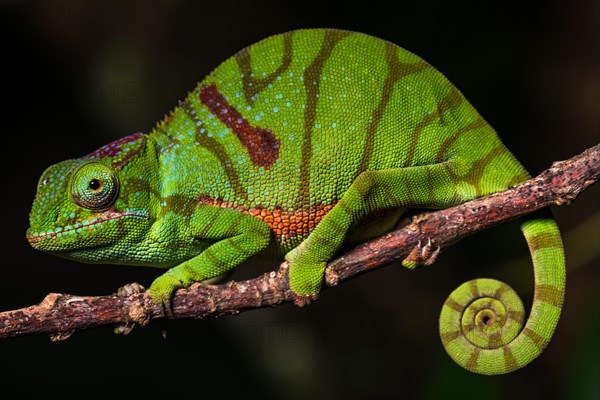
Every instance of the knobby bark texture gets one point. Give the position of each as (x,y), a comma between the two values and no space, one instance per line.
(59,315)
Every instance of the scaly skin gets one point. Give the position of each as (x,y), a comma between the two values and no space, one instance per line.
(296,145)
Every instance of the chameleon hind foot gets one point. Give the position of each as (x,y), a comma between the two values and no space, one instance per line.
(421,255)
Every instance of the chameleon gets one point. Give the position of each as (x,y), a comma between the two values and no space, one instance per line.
(295,147)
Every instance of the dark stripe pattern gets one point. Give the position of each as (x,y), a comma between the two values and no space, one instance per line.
(543,240)
(548,294)
(452,100)
(396,71)
(312,81)
(261,144)
(253,85)
(218,151)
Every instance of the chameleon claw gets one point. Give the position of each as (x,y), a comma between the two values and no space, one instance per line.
(167,309)
(124,329)
(422,255)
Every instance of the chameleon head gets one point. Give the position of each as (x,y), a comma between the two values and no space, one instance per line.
(94,208)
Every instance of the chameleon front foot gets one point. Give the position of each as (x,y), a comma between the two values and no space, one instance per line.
(162,290)
(305,279)
(421,255)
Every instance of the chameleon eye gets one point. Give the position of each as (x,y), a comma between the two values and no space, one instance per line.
(94,186)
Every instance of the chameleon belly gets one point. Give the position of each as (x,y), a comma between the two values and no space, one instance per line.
(298,143)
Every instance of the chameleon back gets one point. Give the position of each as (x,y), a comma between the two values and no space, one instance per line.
(286,125)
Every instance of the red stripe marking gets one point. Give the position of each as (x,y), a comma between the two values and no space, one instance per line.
(261,143)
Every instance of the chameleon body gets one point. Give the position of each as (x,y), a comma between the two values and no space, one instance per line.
(295,146)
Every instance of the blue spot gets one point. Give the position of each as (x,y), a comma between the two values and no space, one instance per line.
(275,109)
(333,124)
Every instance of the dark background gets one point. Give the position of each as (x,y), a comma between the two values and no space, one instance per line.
(77,75)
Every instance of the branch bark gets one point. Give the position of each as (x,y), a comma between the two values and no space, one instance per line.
(62,314)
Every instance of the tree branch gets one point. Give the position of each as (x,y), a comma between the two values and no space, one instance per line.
(62,314)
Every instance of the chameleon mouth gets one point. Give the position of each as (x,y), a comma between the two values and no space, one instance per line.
(36,237)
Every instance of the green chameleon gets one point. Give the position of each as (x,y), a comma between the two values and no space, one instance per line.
(298,145)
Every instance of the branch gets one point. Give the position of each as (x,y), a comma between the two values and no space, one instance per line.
(62,314)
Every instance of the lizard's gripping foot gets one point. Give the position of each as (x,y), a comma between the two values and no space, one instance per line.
(421,255)
(305,281)
(162,290)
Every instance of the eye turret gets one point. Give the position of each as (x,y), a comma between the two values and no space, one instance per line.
(94,186)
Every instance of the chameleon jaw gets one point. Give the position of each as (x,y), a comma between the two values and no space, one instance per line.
(36,237)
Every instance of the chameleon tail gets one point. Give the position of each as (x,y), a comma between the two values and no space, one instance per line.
(481,323)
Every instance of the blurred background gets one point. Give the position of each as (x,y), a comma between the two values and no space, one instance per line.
(78,74)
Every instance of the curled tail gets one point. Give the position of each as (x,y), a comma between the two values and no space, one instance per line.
(481,324)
